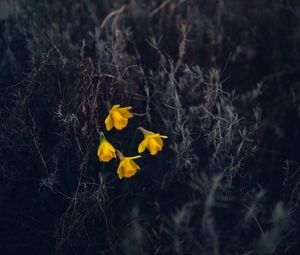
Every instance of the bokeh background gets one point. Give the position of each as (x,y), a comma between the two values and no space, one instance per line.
(221,78)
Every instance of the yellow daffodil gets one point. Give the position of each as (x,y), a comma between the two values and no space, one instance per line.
(127,167)
(118,117)
(105,150)
(153,142)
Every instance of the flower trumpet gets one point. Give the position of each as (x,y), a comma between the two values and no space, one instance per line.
(105,150)
(127,167)
(152,141)
(118,117)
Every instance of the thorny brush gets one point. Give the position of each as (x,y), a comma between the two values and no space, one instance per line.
(209,194)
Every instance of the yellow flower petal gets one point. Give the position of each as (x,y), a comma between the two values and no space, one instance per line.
(134,157)
(115,107)
(98,151)
(127,108)
(134,165)
(120,171)
(142,145)
(125,113)
(108,123)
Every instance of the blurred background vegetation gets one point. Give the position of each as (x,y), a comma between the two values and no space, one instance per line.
(220,78)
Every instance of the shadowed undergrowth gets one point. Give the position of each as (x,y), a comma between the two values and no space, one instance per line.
(220,78)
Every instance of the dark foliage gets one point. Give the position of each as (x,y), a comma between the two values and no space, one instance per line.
(220,78)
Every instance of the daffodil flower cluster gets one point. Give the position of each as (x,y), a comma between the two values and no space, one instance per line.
(118,118)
